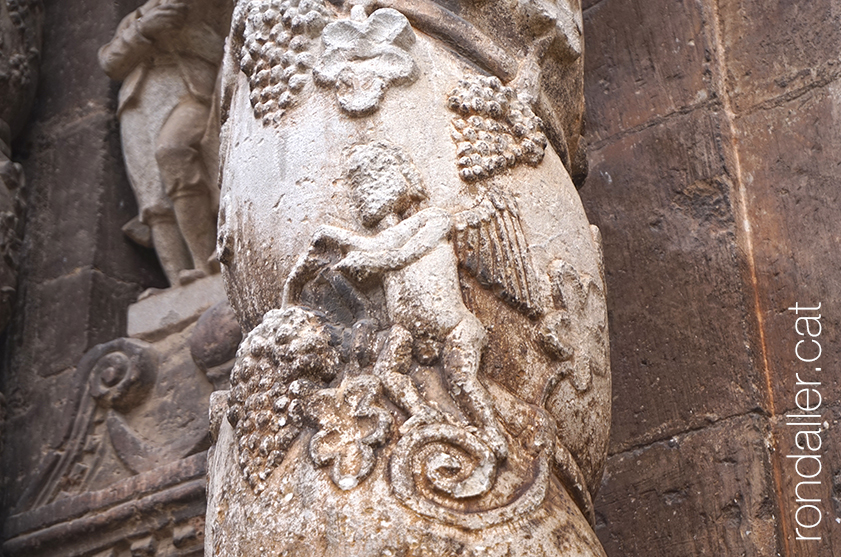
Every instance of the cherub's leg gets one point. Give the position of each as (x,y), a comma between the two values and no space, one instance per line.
(462,355)
(392,368)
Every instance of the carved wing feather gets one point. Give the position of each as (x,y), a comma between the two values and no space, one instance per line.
(491,246)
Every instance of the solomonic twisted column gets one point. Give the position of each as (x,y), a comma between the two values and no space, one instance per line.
(426,369)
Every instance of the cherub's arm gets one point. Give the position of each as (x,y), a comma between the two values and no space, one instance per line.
(391,238)
(428,229)
(344,239)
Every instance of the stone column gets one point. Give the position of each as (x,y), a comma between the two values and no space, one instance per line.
(426,371)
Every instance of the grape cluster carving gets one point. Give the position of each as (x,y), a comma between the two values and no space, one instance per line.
(266,404)
(495,131)
(276,55)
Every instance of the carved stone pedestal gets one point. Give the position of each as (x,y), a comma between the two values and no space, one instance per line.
(130,477)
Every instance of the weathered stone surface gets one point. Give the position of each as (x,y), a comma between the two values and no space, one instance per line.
(171,310)
(159,508)
(708,492)
(216,337)
(68,509)
(2,423)
(69,88)
(425,363)
(92,302)
(645,60)
(214,343)
(75,213)
(777,48)
(789,164)
(12,205)
(682,273)
(40,419)
(20,54)
(822,491)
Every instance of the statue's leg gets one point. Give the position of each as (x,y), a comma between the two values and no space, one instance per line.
(392,368)
(184,176)
(462,355)
(169,245)
(138,130)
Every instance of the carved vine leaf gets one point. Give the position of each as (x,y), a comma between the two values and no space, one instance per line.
(280,386)
(351,423)
(363,58)
(575,332)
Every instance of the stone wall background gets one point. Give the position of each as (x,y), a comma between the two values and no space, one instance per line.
(78,273)
(714,179)
(714,171)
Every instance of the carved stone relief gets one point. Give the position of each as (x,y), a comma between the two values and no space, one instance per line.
(20,44)
(138,436)
(167,55)
(426,369)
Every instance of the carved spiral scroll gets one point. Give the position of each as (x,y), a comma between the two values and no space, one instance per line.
(122,372)
(441,471)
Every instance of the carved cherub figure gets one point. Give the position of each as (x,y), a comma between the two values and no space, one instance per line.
(413,254)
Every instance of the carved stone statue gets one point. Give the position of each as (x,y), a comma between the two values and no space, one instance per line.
(426,371)
(167,54)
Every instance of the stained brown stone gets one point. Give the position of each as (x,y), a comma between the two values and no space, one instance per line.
(644,60)
(708,492)
(677,305)
(824,496)
(789,157)
(777,47)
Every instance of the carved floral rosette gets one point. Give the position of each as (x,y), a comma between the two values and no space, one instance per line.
(427,365)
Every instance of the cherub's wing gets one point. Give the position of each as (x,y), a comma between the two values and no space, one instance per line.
(491,246)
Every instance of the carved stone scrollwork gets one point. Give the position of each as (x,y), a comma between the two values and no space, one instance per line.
(122,372)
